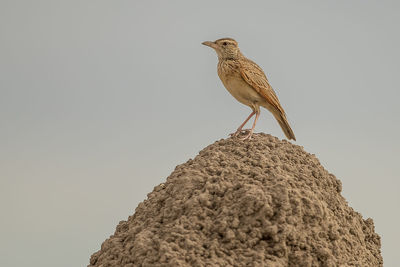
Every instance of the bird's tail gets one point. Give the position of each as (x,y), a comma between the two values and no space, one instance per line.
(283,122)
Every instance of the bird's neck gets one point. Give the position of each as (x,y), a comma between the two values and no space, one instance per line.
(231,55)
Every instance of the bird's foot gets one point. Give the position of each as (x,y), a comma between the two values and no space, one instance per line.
(247,136)
(239,132)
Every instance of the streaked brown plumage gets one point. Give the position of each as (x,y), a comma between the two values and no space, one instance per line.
(246,82)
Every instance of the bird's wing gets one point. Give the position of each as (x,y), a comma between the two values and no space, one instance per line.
(256,78)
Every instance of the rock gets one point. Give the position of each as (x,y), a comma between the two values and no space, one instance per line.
(261,202)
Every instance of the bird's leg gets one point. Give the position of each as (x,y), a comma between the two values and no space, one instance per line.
(239,130)
(248,136)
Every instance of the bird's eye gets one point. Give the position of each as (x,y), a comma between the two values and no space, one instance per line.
(224,43)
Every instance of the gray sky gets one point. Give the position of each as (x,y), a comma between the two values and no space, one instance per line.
(100,100)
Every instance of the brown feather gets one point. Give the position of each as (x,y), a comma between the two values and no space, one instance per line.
(256,78)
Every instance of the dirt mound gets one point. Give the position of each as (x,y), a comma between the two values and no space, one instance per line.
(262,202)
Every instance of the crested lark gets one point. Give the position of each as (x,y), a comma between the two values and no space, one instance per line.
(246,82)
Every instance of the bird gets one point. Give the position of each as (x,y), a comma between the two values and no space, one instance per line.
(248,84)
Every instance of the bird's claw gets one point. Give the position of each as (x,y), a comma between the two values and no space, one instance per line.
(248,136)
(239,132)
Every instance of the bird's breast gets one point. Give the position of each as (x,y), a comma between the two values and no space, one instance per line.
(238,87)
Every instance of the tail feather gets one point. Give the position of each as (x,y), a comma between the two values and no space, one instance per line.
(283,122)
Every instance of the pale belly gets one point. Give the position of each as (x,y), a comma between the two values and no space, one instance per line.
(244,93)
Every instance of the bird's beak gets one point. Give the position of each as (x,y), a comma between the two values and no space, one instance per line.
(210,44)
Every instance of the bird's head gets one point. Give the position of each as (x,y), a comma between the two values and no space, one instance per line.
(226,48)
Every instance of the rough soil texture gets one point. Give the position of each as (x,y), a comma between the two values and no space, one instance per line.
(262,202)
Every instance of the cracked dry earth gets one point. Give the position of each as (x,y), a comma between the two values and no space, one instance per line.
(261,202)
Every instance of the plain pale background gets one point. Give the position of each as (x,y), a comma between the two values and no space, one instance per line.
(100,100)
